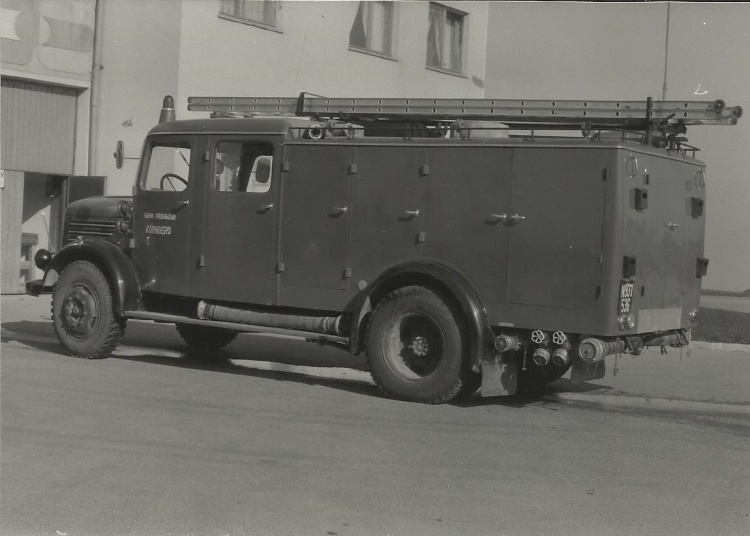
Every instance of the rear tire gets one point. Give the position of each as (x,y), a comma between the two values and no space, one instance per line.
(205,338)
(415,348)
(83,314)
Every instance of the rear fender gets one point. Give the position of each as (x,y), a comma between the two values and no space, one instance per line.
(111,260)
(436,276)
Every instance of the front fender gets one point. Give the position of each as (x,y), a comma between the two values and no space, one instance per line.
(114,264)
(435,275)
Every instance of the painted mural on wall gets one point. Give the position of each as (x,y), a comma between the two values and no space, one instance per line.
(48,37)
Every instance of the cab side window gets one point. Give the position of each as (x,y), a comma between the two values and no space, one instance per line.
(243,167)
(168,168)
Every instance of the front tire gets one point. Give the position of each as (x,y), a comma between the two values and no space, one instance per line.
(415,348)
(205,339)
(83,314)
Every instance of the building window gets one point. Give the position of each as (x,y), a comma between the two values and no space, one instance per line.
(373,28)
(261,12)
(445,39)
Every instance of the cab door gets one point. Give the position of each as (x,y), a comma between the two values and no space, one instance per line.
(163,214)
(236,252)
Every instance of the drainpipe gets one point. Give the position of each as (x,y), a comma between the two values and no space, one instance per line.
(96,67)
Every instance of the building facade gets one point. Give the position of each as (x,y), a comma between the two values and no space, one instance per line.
(82,78)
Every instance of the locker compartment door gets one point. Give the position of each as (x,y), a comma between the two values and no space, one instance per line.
(389,212)
(315,220)
(556,242)
(468,195)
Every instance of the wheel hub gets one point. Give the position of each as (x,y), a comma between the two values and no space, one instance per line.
(420,346)
(79,312)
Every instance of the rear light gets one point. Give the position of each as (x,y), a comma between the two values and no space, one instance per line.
(626,322)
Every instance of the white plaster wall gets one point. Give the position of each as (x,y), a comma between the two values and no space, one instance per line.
(140,58)
(312,54)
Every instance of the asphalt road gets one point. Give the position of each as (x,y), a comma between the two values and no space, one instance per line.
(290,438)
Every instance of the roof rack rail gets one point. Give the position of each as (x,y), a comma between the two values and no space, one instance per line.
(671,116)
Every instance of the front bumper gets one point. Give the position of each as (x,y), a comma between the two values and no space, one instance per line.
(37,287)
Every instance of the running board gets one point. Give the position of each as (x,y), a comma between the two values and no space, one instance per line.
(320,338)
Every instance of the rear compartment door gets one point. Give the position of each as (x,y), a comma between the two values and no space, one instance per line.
(665,236)
(556,237)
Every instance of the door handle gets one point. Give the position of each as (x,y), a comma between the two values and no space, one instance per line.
(502,217)
(412,213)
(265,208)
(515,218)
(181,204)
(338,211)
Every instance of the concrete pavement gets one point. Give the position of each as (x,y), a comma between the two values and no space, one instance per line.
(703,379)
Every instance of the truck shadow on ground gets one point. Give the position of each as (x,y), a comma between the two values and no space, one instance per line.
(269,358)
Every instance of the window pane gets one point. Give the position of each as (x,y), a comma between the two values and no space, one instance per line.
(168,168)
(372,27)
(445,39)
(434,37)
(260,11)
(357,36)
(454,28)
(242,167)
(232,7)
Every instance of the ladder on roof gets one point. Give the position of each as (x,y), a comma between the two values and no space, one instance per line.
(669,115)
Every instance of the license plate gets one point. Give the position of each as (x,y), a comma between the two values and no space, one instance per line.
(626,297)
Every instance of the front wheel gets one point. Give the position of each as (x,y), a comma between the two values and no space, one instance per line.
(415,348)
(83,314)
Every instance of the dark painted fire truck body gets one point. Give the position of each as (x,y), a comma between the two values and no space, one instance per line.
(539,253)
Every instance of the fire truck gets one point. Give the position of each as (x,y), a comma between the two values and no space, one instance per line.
(460,244)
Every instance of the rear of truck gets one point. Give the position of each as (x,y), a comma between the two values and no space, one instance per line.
(658,233)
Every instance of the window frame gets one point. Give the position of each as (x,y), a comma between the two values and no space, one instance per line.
(275,27)
(463,43)
(393,34)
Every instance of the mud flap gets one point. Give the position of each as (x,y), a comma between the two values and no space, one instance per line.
(499,379)
(582,371)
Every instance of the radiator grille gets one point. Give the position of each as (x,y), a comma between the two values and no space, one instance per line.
(90,229)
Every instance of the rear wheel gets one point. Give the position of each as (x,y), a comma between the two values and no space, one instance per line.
(205,338)
(415,348)
(83,312)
